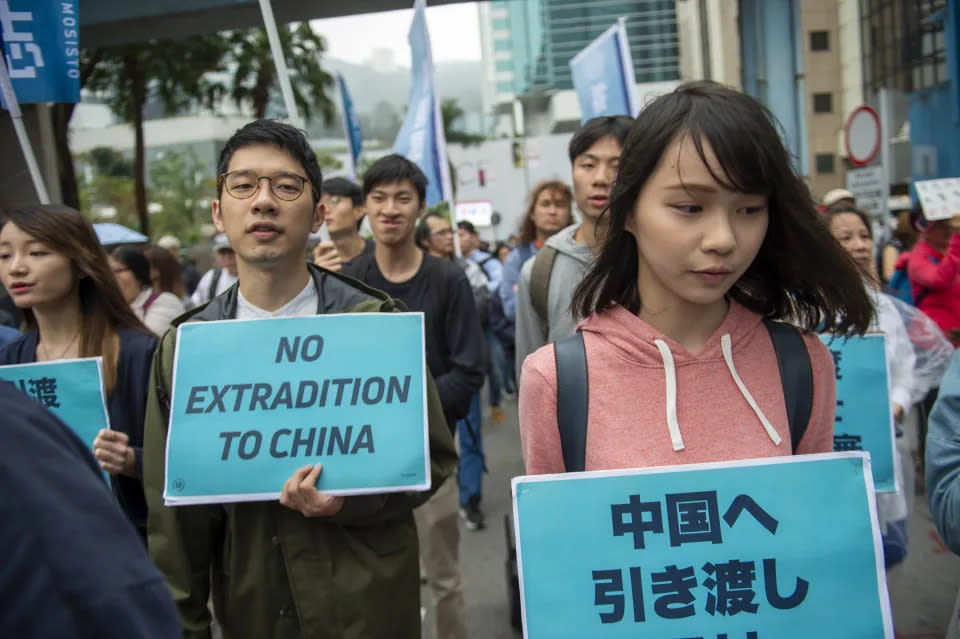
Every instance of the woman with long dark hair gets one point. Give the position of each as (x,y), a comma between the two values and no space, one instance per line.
(155,308)
(57,274)
(710,233)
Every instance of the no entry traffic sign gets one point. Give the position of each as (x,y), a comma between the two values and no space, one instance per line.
(861,135)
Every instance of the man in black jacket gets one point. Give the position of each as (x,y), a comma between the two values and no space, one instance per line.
(395,196)
(73,565)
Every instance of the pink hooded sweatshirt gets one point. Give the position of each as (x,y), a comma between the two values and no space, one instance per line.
(654,404)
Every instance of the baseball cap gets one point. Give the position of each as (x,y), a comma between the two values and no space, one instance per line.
(221,243)
(169,242)
(834,196)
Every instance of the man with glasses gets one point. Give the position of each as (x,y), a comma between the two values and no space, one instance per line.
(343,202)
(310,565)
(220,277)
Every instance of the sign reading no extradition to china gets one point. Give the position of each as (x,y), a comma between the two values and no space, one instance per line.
(254,400)
(780,548)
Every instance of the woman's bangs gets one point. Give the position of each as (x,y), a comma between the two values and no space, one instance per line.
(744,161)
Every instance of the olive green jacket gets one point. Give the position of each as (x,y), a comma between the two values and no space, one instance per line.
(271,572)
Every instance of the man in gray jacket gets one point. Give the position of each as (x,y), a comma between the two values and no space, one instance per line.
(547,281)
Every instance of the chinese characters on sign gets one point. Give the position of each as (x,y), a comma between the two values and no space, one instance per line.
(863,418)
(691,518)
(732,550)
(44,390)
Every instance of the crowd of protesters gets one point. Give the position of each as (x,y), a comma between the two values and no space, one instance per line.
(671,256)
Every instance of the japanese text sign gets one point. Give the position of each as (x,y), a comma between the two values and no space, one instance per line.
(779,548)
(41,45)
(71,389)
(254,400)
(864,418)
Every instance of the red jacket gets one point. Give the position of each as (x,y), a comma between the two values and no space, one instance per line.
(933,276)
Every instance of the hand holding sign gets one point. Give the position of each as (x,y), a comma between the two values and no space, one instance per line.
(112,449)
(300,493)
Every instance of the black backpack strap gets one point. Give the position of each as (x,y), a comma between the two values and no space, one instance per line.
(796,375)
(214,281)
(572,400)
(540,286)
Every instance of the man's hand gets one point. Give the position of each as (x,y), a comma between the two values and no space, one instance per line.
(112,450)
(300,493)
(325,255)
(897,412)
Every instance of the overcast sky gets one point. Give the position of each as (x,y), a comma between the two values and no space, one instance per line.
(454,34)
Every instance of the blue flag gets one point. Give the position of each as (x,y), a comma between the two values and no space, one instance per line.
(421,138)
(603,75)
(42,50)
(351,126)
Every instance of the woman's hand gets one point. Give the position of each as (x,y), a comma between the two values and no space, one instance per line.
(112,449)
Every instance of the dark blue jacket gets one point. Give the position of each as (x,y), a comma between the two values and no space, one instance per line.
(72,565)
(126,406)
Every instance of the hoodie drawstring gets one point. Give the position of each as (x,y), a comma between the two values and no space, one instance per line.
(725,345)
(670,374)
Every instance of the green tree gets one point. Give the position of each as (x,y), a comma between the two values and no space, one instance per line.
(176,72)
(255,76)
(179,184)
(452,115)
(106,183)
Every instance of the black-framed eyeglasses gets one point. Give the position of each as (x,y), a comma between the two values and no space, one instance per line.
(245,184)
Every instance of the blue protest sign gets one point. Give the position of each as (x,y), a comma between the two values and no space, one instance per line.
(41,45)
(786,547)
(351,126)
(72,389)
(421,139)
(603,76)
(255,400)
(864,419)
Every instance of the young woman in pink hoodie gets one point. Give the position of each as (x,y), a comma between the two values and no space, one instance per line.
(710,231)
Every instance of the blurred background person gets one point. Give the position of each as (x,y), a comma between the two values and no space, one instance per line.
(221,277)
(165,273)
(189,274)
(155,308)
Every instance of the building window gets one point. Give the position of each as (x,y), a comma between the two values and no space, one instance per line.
(903,44)
(819,40)
(825,163)
(822,102)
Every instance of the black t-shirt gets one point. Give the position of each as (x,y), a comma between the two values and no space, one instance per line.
(440,291)
(368,247)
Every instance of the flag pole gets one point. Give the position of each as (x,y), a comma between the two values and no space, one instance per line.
(13,107)
(279,62)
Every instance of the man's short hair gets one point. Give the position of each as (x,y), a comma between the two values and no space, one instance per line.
(467,226)
(287,137)
(615,126)
(342,187)
(395,168)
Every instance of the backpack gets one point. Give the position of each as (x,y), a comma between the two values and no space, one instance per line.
(212,292)
(900,287)
(796,375)
(540,285)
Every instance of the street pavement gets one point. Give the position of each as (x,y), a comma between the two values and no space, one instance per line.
(923,589)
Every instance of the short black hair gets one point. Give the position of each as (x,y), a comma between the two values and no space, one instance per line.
(467,226)
(287,137)
(134,259)
(395,168)
(615,126)
(342,187)
(423,229)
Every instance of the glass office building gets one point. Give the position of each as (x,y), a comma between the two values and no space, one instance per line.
(534,40)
